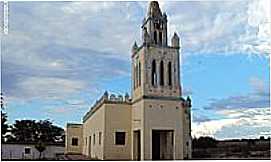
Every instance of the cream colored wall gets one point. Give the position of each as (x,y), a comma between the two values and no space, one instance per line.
(94,125)
(138,92)
(148,115)
(146,55)
(166,55)
(73,131)
(167,117)
(118,118)
(137,115)
(137,123)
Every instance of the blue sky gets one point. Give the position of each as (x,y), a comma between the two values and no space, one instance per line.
(59,57)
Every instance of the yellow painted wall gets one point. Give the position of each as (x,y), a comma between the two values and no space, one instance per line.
(159,115)
(94,125)
(107,119)
(73,131)
(118,118)
(163,115)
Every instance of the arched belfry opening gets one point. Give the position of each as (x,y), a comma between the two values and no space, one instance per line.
(161,73)
(160,38)
(155,37)
(169,74)
(153,73)
(139,74)
(136,76)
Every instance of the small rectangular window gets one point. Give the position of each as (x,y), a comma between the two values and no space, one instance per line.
(27,150)
(74,141)
(120,138)
(100,138)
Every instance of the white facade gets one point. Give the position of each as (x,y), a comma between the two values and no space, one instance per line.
(28,151)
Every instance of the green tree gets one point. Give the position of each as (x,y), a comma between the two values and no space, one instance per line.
(4,125)
(204,142)
(49,132)
(40,147)
(24,131)
(32,131)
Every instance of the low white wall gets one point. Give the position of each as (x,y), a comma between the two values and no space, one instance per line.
(16,151)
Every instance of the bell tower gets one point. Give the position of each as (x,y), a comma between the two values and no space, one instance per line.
(160,116)
(155,64)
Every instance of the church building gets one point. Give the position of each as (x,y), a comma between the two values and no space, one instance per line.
(155,122)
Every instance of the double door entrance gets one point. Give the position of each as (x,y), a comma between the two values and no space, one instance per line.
(162,144)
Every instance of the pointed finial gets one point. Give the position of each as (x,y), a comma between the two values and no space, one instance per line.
(188,98)
(106,94)
(164,15)
(175,35)
(135,46)
(126,94)
(188,101)
(146,37)
(175,41)
(143,21)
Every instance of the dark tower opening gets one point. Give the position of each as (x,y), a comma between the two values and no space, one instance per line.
(155,37)
(161,73)
(135,77)
(139,74)
(160,38)
(154,73)
(169,74)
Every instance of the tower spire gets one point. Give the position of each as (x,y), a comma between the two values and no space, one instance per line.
(154,28)
(154,9)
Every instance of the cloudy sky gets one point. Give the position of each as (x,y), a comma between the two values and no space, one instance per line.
(59,57)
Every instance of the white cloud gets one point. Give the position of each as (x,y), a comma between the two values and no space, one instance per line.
(79,7)
(209,128)
(48,87)
(222,27)
(67,40)
(259,16)
(244,121)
